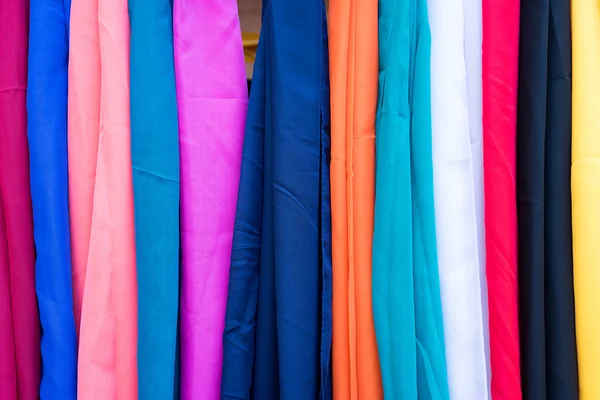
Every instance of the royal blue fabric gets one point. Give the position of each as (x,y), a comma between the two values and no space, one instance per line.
(47,135)
(277,338)
(155,162)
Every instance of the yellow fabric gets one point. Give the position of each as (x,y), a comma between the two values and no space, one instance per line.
(585,186)
(250,42)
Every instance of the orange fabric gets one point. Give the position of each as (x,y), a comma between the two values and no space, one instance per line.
(353,79)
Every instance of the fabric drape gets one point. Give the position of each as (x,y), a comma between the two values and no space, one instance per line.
(406,291)
(549,371)
(454,165)
(585,187)
(212,99)
(19,326)
(353,71)
(47,133)
(277,338)
(107,348)
(155,163)
(500,74)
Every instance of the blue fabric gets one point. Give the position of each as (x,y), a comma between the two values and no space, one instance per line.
(406,293)
(277,338)
(47,136)
(155,162)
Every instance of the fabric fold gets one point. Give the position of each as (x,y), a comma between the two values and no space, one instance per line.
(500,74)
(20,332)
(353,71)
(155,170)
(47,133)
(406,289)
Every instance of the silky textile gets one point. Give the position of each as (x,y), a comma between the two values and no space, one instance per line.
(19,323)
(548,370)
(107,366)
(500,70)
(406,290)
(47,132)
(212,99)
(155,164)
(585,187)
(353,72)
(456,195)
(277,338)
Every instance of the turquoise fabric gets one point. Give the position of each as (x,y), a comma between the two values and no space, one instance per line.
(406,293)
(155,161)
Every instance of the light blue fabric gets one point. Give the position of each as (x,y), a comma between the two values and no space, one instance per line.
(406,293)
(155,162)
(47,136)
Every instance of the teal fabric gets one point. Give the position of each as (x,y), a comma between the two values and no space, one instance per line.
(406,293)
(155,161)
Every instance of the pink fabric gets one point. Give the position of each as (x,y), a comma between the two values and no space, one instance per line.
(99,108)
(212,102)
(19,322)
(500,60)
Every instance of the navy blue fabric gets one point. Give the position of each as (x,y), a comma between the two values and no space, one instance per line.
(277,336)
(47,135)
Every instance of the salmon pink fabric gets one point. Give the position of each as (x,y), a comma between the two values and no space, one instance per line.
(212,100)
(500,70)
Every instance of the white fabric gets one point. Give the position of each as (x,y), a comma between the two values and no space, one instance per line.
(456,111)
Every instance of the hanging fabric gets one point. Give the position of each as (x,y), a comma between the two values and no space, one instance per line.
(155,168)
(353,71)
(277,338)
(108,337)
(500,71)
(585,187)
(406,291)
(459,258)
(47,132)
(549,371)
(212,99)
(19,321)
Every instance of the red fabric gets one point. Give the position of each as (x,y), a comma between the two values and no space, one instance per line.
(500,71)
(19,324)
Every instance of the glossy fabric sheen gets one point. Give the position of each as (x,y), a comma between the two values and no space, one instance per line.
(500,70)
(353,72)
(277,336)
(47,133)
(459,259)
(549,371)
(19,326)
(108,334)
(406,290)
(212,99)
(155,164)
(585,187)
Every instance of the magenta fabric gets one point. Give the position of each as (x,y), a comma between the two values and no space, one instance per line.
(212,100)
(19,323)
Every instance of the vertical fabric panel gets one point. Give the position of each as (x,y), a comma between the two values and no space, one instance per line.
(155,163)
(500,73)
(212,99)
(20,370)
(47,132)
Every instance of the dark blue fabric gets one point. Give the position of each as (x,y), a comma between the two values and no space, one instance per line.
(47,135)
(277,336)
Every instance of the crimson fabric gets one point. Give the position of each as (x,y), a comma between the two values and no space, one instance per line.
(500,31)
(19,322)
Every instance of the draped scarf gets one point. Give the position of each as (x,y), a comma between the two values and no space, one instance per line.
(457,169)
(500,71)
(47,133)
(353,70)
(19,329)
(406,291)
(277,338)
(546,310)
